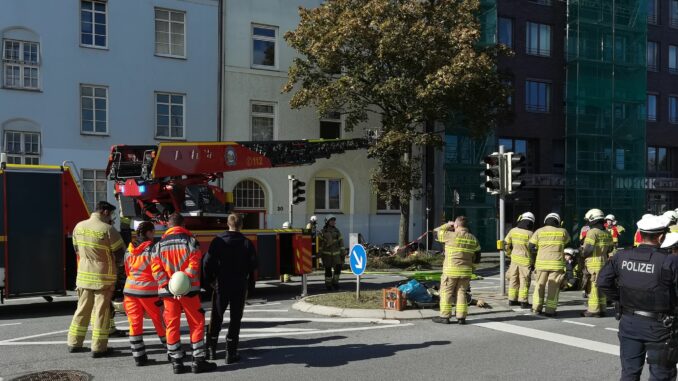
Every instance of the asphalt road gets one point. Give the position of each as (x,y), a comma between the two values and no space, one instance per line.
(278,343)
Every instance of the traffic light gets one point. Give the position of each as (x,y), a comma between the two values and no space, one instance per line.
(298,191)
(515,170)
(493,173)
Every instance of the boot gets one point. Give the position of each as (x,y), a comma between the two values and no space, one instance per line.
(441,320)
(200,365)
(232,355)
(525,305)
(513,303)
(178,366)
(461,321)
(590,314)
(550,314)
(211,349)
(141,360)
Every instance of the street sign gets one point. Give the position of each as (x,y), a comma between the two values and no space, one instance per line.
(358,257)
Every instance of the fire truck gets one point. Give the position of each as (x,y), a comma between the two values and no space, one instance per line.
(40,205)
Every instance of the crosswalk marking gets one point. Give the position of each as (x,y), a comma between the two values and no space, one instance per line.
(578,323)
(572,341)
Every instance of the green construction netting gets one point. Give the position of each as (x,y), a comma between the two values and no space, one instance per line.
(606,94)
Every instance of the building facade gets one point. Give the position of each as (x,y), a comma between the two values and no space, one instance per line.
(255,69)
(81,76)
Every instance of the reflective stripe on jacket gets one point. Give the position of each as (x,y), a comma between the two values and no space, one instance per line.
(550,242)
(140,281)
(460,248)
(601,240)
(177,250)
(95,243)
(516,245)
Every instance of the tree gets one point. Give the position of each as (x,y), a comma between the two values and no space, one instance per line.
(411,62)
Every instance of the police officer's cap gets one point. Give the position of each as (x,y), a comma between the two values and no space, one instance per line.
(671,240)
(653,224)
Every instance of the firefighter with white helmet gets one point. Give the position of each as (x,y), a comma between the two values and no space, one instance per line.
(548,242)
(312,226)
(672,215)
(518,274)
(597,246)
(285,278)
(331,251)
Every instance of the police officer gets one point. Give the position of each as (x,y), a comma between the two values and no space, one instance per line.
(521,260)
(598,245)
(642,281)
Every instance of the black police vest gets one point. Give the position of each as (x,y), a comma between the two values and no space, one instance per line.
(643,282)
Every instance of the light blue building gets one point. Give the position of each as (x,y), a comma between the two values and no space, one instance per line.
(80,76)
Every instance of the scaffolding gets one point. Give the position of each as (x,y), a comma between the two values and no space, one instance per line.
(605,110)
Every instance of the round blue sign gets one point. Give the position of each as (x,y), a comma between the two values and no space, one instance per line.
(358,259)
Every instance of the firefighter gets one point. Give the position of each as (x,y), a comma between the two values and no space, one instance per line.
(549,244)
(597,246)
(312,225)
(642,282)
(332,252)
(460,248)
(611,226)
(521,260)
(96,245)
(178,250)
(230,260)
(141,292)
(672,216)
(286,278)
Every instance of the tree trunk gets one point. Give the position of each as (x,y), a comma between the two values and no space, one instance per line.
(404,231)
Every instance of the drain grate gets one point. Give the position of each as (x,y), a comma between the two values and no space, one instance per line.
(55,375)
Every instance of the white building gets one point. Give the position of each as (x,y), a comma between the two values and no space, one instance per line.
(255,69)
(80,76)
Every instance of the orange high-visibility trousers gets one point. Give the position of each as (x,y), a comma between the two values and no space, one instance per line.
(195,316)
(135,308)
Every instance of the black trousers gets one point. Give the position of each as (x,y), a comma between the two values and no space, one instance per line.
(233,296)
(328,274)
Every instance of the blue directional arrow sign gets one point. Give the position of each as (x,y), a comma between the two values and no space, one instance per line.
(358,257)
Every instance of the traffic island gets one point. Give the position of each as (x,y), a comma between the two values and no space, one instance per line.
(344,304)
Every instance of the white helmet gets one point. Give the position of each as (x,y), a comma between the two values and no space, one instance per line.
(314,218)
(610,217)
(179,284)
(594,215)
(330,218)
(555,216)
(286,225)
(569,251)
(671,215)
(527,216)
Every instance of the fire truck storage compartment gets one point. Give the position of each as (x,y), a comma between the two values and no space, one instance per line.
(34,235)
(286,253)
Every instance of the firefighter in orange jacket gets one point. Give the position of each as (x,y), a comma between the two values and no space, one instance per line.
(141,292)
(176,251)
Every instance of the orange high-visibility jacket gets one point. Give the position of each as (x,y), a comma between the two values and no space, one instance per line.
(177,250)
(140,281)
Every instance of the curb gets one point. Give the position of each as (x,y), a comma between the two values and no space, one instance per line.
(317,309)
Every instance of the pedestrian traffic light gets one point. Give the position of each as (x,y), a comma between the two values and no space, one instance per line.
(298,191)
(515,170)
(492,173)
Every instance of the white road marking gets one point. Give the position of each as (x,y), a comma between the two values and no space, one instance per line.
(186,338)
(33,336)
(572,341)
(612,329)
(262,304)
(578,323)
(5,325)
(314,320)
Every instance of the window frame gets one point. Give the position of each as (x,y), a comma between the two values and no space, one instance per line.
(94,180)
(93,45)
(276,49)
(655,170)
(673,97)
(274,115)
(23,155)
(656,108)
(672,70)
(538,52)
(548,84)
(673,8)
(511,31)
(328,119)
(20,64)
(653,19)
(169,32)
(94,97)
(327,180)
(656,66)
(246,189)
(169,110)
(389,208)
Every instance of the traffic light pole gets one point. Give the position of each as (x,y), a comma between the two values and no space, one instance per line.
(502,254)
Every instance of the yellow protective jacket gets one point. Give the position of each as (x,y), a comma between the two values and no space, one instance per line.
(331,241)
(96,243)
(599,243)
(517,246)
(550,243)
(460,248)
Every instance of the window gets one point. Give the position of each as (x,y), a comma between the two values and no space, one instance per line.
(652,12)
(673,59)
(94,186)
(538,39)
(169,115)
(673,110)
(384,206)
(93,109)
(327,194)
(674,13)
(22,147)
(21,64)
(657,159)
(263,121)
(523,147)
(264,46)
(330,126)
(505,31)
(509,99)
(537,96)
(93,24)
(248,194)
(652,56)
(652,107)
(170,36)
